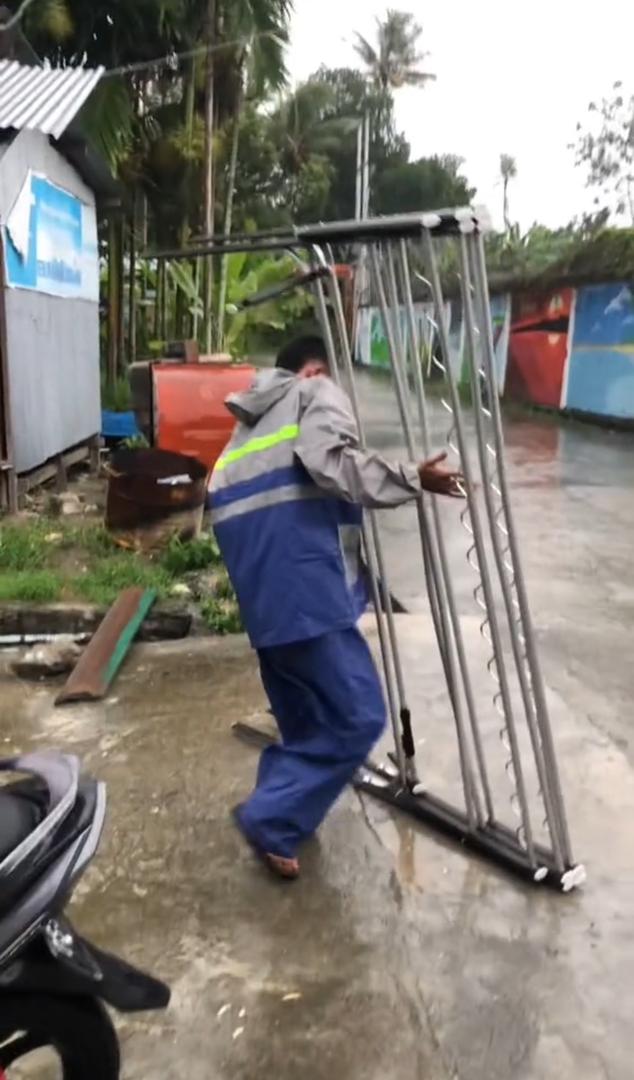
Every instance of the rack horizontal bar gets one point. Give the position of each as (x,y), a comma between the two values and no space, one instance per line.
(371,230)
(494,841)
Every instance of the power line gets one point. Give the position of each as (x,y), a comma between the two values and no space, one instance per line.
(159,61)
(187,54)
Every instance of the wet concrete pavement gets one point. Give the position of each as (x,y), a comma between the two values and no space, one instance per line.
(395,957)
(572,490)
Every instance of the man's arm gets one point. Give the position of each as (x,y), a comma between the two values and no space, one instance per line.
(328,447)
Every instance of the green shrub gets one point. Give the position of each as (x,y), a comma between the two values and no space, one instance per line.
(116,396)
(221,616)
(187,556)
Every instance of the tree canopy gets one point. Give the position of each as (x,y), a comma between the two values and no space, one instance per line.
(433,183)
(197,120)
(605,148)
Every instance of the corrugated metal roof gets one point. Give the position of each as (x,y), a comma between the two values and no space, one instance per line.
(42,98)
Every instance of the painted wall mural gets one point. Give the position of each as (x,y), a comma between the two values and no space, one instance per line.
(501,320)
(538,347)
(564,349)
(601,371)
(372,347)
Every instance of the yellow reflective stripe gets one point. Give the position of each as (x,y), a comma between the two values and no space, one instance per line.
(261,442)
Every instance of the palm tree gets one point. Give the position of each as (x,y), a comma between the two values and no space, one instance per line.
(302,127)
(508,171)
(258,65)
(50,17)
(395,60)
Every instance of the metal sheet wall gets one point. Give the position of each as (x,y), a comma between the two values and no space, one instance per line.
(52,343)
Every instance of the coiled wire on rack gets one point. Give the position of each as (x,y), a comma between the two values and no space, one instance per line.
(465,520)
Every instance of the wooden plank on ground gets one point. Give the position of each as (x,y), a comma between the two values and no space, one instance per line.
(102,658)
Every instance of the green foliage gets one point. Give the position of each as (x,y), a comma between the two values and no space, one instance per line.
(605,148)
(52,18)
(186,556)
(109,121)
(43,561)
(135,442)
(297,155)
(508,172)
(148,121)
(280,155)
(116,396)
(254,205)
(30,586)
(184,280)
(395,59)
(221,616)
(302,125)
(350,96)
(429,184)
(22,546)
(28,545)
(582,253)
(508,167)
(93,540)
(247,276)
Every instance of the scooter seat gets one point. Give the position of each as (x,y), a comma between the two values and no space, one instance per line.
(19,815)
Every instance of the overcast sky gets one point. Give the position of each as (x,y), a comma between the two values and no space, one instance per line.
(511,79)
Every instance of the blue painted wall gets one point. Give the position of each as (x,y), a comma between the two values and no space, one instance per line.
(601,367)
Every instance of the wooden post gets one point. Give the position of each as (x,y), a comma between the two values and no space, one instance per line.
(121,292)
(61,476)
(208,175)
(164,301)
(229,198)
(95,454)
(113,302)
(157,300)
(132,286)
(192,352)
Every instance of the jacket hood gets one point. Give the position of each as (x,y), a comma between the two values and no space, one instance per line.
(267,389)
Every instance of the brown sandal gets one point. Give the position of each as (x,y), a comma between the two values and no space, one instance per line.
(282,867)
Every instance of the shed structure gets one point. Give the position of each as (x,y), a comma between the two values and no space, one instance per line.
(50,181)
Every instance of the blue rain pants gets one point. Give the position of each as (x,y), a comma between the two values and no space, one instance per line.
(327,699)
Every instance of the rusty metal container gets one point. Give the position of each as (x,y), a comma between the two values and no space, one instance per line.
(180,406)
(154,494)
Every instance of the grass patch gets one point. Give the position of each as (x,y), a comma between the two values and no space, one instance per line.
(30,586)
(35,544)
(46,560)
(22,547)
(102,583)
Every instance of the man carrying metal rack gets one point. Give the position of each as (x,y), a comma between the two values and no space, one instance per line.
(287,498)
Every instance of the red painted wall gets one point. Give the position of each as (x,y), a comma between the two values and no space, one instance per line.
(538,347)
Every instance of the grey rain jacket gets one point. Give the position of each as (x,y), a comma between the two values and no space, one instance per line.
(286,498)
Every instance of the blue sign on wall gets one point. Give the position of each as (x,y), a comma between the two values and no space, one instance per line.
(52,242)
(601,373)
